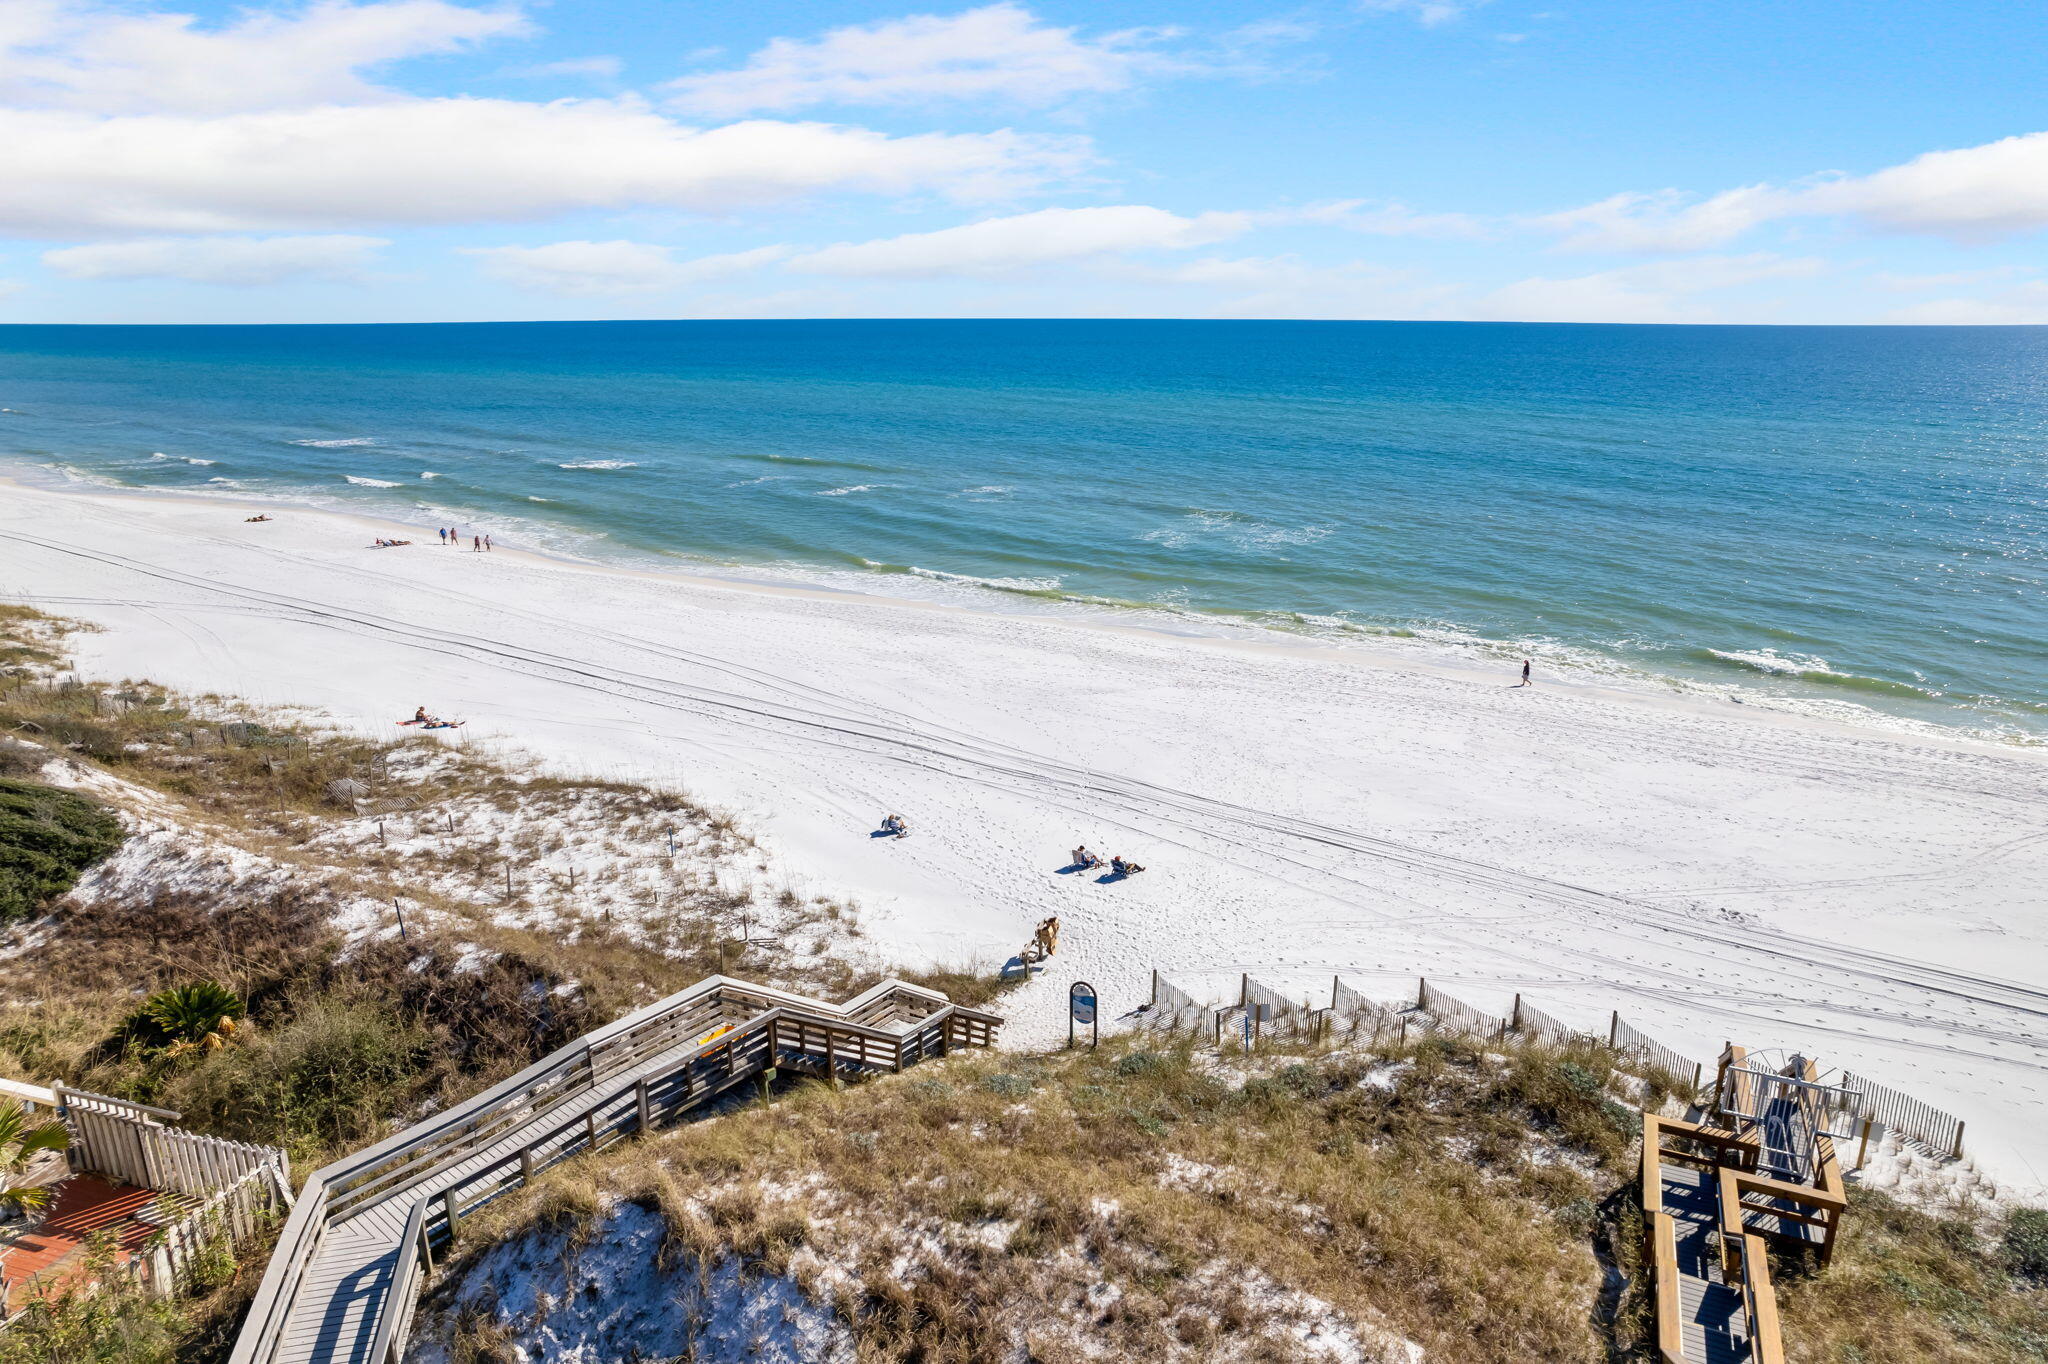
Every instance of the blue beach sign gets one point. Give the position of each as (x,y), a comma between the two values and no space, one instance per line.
(1081,1012)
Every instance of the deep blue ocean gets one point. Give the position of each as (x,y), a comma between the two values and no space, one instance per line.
(1824,518)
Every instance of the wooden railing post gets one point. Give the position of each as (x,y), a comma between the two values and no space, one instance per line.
(831,1058)
(641,1105)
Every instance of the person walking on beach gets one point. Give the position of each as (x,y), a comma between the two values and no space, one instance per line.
(442,531)
(1525,674)
(487,544)
(476,544)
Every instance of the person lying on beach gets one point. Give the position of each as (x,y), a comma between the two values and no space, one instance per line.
(390,544)
(255,518)
(1085,860)
(895,827)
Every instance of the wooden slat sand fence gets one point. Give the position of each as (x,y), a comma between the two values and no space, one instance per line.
(1651,1052)
(1297,1016)
(1175,1008)
(1455,1016)
(1358,1012)
(1886,1107)
(1531,1021)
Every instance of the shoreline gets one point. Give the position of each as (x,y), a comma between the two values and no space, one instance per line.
(1434,659)
(1713,872)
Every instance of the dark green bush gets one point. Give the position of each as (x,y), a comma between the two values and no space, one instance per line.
(2026,1242)
(47,840)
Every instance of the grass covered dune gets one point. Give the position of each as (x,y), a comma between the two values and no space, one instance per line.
(1423,1201)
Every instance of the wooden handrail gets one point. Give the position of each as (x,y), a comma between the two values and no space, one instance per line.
(1664,1272)
(425,1151)
(1766,1341)
(384,1348)
(1746,1182)
(1653,1175)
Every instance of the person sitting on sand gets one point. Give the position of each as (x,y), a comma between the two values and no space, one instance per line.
(420,716)
(1123,868)
(894,826)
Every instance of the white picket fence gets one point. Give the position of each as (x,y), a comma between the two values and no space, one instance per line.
(232,1188)
(177,1250)
(129,1142)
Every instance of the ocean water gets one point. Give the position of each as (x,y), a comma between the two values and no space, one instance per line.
(1851,521)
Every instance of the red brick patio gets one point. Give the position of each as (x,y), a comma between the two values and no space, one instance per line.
(85,1204)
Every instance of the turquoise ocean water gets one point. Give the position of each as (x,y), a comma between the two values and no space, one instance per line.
(1841,520)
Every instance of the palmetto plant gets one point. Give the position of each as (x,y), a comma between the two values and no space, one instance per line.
(22,1139)
(201,1016)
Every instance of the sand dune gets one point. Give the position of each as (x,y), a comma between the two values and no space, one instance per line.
(1710,870)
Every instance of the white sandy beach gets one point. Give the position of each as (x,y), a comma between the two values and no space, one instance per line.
(1712,871)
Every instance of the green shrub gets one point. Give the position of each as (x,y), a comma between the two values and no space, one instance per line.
(2026,1242)
(201,1016)
(322,1080)
(47,840)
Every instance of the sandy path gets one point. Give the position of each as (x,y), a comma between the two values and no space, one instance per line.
(1709,870)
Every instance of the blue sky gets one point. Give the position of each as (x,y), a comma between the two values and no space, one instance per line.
(398,160)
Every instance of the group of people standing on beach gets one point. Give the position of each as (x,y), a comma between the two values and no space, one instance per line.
(451,536)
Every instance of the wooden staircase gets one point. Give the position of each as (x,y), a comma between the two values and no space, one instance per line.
(342,1283)
(1712,1218)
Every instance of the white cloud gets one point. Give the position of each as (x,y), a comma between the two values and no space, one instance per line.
(1428,13)
(1971,194)
(1388,219)
(1287,286)
(220,260)
(1952,279)
(2023,306)
(1656,292)
(611,269)
(591,68)
(999,52)
(1665,221)
(112,59)
(999,245)
(464,160)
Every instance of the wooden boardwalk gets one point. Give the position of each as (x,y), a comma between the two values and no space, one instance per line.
(342,1283)
(1713,1325)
